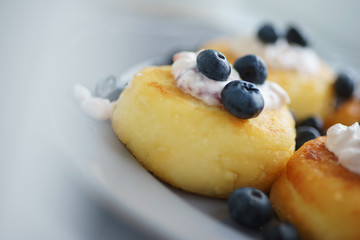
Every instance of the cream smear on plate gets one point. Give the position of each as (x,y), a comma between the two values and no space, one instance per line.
(95,107)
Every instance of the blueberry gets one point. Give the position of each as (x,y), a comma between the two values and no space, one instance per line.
(251,69)
(268,34)
(242,99)
(107,88)
(280,231)
(293,36)
(250,207)
(304,134)
(213,64)
(344,86)
(314,121)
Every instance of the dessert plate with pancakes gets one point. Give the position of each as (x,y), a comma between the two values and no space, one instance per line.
(110,170)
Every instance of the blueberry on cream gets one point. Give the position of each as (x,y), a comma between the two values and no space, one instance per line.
(213,65)
(192,81)
(242,99)
(290,51)
(294,36)
(267,33)
(251,69)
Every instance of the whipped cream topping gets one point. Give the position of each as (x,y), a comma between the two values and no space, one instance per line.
(280,55)
(95,107)
(191,81)
(344,142)
(274,95)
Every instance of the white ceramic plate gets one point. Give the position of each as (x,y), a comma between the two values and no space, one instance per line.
(84,42)
(97,157)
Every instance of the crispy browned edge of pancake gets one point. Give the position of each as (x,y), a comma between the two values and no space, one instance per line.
(311,169)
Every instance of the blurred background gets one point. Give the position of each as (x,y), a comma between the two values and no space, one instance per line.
(48,46)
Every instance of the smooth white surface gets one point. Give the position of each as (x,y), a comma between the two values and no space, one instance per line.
(51,151)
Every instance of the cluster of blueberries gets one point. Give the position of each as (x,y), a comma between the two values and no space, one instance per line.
(308,129)
(240,97)
(313,127)
(252,208)
(267,33)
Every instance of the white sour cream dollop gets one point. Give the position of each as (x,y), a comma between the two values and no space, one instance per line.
(97,108)
(191,81)
(280,55)
(344,142)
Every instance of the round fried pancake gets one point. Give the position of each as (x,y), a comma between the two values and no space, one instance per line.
(310,94)
(318,195)
(199,148)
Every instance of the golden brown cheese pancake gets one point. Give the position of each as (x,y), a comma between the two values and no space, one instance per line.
(318,195)
(199,148)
